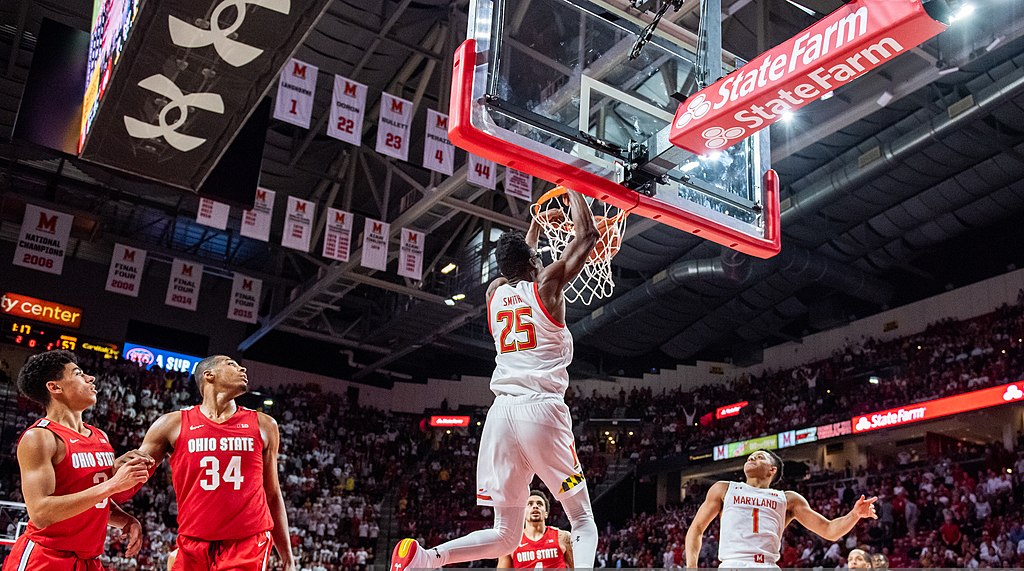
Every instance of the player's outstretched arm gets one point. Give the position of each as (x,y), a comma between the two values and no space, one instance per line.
(156,445)
(565,542)
(36,453)
(272,487)
(129,524)
(830,529)
(706,514)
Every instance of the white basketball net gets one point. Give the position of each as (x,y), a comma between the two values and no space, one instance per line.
(595,280)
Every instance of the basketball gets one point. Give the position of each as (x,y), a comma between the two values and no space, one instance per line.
(609,239)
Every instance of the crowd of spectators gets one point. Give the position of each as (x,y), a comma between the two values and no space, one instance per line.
(344,466)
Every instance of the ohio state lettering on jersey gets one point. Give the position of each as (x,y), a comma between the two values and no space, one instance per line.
(88,460)
(217,472)
(544,553)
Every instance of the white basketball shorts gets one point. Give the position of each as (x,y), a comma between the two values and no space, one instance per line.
(523,436)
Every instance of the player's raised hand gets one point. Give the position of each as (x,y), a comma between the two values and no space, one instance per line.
(131,474)
(865,508)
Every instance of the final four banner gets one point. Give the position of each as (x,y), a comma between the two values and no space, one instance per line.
(375,244)
(438,151)
(125,275)
(298,224)
(213,214)
(393,126)
(256,222)
(348,107)
(43,239)
(519,184)
(245,299)
(295,91)
(337,235)
(482,172)
(183,286)
(410,258)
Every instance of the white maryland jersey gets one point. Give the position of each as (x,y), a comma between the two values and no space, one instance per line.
(752,524)
(533,348)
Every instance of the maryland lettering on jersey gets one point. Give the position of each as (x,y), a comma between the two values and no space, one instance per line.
(756,502)
(223,444)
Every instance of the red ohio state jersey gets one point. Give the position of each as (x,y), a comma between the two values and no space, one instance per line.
(217,472)
(89,460)
(545,553)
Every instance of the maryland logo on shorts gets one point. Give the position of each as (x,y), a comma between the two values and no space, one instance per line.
(571,482)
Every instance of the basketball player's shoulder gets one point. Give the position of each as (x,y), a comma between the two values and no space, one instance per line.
(493,287)
(719,489)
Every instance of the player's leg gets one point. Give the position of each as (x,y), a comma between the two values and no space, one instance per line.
(548,432)
(503,482)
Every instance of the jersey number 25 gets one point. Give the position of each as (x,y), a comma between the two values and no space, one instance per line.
(514,320)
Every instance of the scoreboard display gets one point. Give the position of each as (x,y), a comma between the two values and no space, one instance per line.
(37,336)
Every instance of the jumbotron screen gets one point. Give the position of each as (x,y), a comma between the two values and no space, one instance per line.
(112,21)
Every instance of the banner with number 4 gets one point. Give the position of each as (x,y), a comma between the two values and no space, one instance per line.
(438,151)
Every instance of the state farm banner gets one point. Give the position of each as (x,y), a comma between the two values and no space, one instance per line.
(183,286)
(410,257)
(43,239)
(245,299)
(482,172)
(125,274)
(213,214)
(295,91)
(298,224)
(519,184)
(338,235)
(438,151)
(256,222)
(393,126)
(375,244)
(839,48)
(348,107)
(938,408)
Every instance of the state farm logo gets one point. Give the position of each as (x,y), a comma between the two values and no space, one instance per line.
(230,50)
(177,101)
(140,355)
(696,108)
(1013,393)
(717,137)
(863,424)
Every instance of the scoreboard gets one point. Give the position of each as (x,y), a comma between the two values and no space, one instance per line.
(42,337)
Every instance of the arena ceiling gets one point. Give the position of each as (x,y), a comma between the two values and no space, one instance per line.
(903,185)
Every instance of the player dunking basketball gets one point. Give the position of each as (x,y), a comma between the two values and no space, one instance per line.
(754,516)
(542,546)
(67,475)
(223,460)
(528,429)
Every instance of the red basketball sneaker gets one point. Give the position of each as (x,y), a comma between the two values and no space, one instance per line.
(409,555)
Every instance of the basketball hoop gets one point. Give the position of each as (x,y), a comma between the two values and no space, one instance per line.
(551,212)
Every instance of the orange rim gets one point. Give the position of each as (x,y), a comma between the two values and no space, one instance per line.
(559,191)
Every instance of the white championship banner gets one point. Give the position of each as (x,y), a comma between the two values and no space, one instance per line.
(43,239)
(337,235)
(438,151)
(213,214)
(125,274)
(482,172)
(410,257)
(183,285)
(298,224)
(348,107)
(256,222)
(519,184)
(245,299)
(375,244)
(295,90)
(393,126)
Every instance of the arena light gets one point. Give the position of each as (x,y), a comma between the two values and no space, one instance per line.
(963,13)
(873,380)
(449,268)
(449,302)
(268,402)
(787,117)
(459,296)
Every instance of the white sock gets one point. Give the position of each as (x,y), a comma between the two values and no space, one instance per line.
(502,539)
(584,528)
